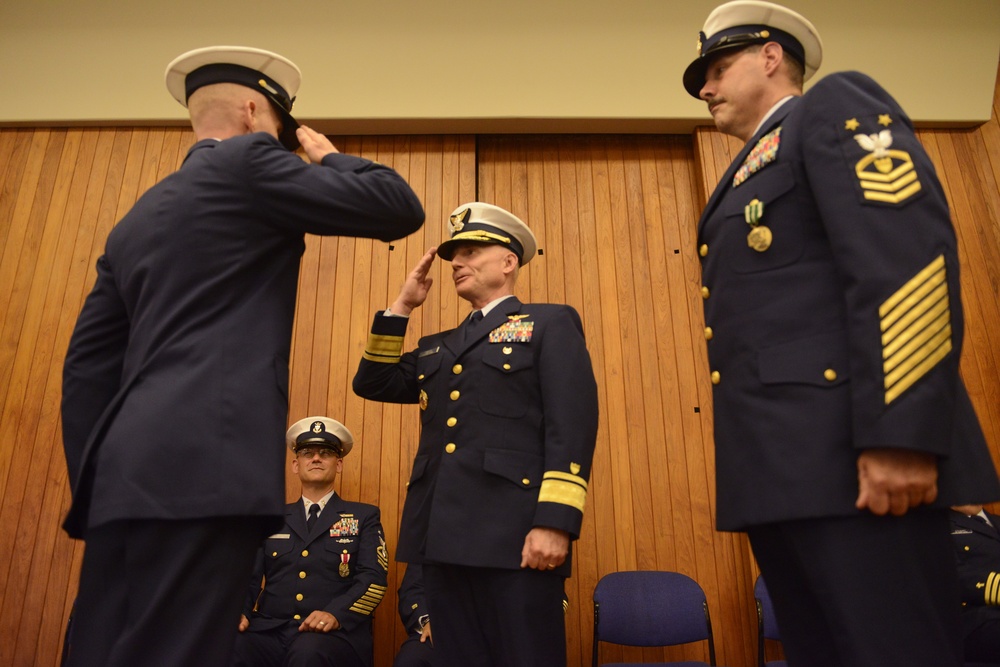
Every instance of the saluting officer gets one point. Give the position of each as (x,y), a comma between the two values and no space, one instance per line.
(508,405)
(834,329)
(324,572)
(179,361)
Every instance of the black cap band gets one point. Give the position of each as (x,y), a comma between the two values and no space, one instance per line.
(324,439)
(746,35)
(227,73)
(255,80)
(735,38)
(478,232)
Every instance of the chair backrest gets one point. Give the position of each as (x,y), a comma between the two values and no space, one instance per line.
(766,622)
(651,608)
(767,625)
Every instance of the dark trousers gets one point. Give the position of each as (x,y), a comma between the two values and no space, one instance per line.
(414,653)
(285,646)
(863,591)
(162,593)
(486,617)
(982,634)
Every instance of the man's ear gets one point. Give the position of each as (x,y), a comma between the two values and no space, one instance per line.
(249,115)
(773,55)
(510,262)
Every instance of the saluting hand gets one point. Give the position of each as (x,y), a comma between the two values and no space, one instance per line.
(316,145)
(895,480)
(418,283)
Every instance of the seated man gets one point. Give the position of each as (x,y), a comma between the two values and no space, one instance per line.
(977,550)
(324,572)
(417,650)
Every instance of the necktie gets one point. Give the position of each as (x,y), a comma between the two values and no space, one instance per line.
(313,515)
(472,323)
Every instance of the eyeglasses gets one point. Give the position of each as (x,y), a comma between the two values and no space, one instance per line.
(310,452)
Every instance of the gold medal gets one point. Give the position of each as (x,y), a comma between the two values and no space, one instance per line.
(759,238)
(423,399)
(344,569)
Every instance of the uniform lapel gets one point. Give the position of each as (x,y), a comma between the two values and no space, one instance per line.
(977,525)
(456,341)
(295,517)
(726,183)
(328,517)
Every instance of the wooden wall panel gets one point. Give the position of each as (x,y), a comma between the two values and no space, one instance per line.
(616,218)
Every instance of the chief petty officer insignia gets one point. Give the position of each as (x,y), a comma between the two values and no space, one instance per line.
(885,175)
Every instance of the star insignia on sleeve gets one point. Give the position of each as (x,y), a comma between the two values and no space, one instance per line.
(884,119)
(852,124)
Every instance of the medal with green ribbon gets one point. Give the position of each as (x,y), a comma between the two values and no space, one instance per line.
(760,236)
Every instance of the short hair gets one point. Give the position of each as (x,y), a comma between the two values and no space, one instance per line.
(795,70)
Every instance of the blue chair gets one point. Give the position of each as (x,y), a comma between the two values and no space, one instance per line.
(651,608)
(767,625)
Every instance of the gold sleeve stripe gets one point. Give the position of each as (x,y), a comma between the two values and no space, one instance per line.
(371,599)
(567,477)
(384,349)
(991,594)
(933,309)
(563,489)
(916,281)
(916,329)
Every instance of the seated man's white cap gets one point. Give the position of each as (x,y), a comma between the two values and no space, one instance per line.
(320,432)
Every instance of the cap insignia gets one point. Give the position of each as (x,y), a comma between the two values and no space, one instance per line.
(458,220)
(851,124)
(884,120)
(318,427)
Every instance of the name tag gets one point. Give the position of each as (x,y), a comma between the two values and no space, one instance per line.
(280,536)
(427,353)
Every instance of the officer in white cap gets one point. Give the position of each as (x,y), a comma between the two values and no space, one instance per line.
(187,333)
(509,411)
(318,580)
(834,329)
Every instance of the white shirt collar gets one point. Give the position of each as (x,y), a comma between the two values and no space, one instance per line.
(492,304)
(322,502)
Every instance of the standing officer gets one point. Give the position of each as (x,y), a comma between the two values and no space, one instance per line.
(834,329)
(508,405)
(976,534)
(417,650)
(178,366)
(324,572)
